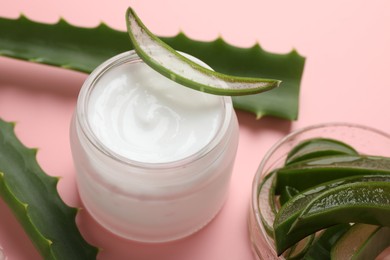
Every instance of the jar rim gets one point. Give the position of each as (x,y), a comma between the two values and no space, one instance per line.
(82,119)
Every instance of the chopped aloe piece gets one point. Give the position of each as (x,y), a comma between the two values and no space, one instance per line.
(295,220)
(168,62)
(286,194)
(362,242)
(318,147)
(298,250)
(321,248)
(308,173)
(267,208)
(363,202)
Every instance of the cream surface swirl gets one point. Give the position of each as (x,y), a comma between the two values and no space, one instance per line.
(143,116)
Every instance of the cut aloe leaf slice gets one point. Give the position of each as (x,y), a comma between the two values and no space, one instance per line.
(362,242)
(321,248)
(318,147)
(299,249)
(288,231)
(168,62)
(309,173)
(361,202)
(267,208)
(286,194)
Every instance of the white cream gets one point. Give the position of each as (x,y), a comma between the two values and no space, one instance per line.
(143,116)
(153,158)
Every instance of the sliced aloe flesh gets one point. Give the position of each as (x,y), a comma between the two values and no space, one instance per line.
(362,242)
(299,249)
(321,248)
(286,194)
(291,210)
(363,202)
(318,147)
(267,208)
(168,62)
(295,220)
(310,173)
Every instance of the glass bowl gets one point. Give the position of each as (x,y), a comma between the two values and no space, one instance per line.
(365,140)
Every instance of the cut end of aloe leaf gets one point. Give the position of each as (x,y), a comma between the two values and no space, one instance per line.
(168,62)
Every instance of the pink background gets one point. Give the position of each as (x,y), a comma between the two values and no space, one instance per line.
(346,44)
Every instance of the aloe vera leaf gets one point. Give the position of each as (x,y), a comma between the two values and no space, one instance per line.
(32,196)
(83,49)
(363,202)
(318,147)
(321,248)
(287,216)
(60,44)
(298,250)
(267,207)
(362,241)
(286,194)
(175,66)
(300,175)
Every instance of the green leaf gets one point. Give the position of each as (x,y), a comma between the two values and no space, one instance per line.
(288,224)
(83,49)
(177,67)
(60,44)
(320,249)
(32,195)
(360,242)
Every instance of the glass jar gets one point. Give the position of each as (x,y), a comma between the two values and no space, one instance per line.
(364,139)
(150,201)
